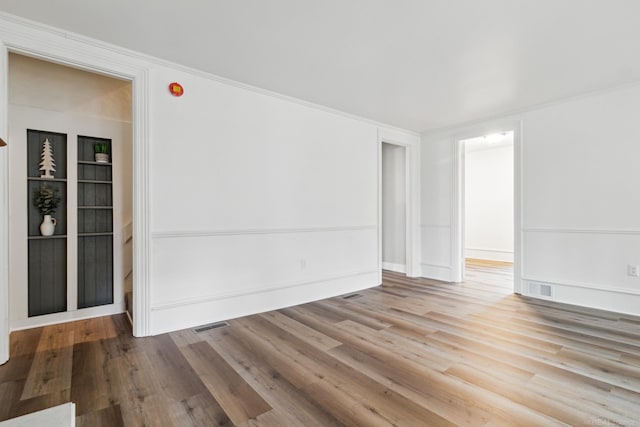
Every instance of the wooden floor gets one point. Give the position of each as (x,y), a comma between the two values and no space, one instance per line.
(412,352)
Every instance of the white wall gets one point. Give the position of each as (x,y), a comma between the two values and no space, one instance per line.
(393,208)
(580,204)
(50,97)
(436,189)
(257,203)
(488,208)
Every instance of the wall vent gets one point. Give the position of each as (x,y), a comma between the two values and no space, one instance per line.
(210,326)
(541,290)
(545,290)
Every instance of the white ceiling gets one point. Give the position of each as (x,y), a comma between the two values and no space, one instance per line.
(417,64)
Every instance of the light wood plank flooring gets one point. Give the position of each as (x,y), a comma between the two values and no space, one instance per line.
(491,274)
(412,352)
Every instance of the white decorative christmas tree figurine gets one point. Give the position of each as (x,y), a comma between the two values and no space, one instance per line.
(47,163)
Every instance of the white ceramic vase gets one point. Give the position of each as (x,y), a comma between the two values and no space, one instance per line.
(48,226)
(102,158)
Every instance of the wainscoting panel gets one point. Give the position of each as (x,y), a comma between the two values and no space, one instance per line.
(209,276)
(585,267)
(436,252)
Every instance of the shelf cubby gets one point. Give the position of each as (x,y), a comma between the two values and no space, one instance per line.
(47,260)
(95,226)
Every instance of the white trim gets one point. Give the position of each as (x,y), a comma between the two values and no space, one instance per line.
(138,56)
(502,251)
(253,291)
(4,209)
(633,232)
(435,226)
(412,197)
(436,272)
(379,206)
(243,232)
(593,286)
(518,199)
(68,316)
(42,42)
(456,233)
(391,266)
(445,266)
(457,206)
(141,206)
(201,312)
(489,254)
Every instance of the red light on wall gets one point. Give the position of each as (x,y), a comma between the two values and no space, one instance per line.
(176,89)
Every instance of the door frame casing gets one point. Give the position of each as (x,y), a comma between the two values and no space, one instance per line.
(457,208)
(412,197)
(44,43)
(4,210)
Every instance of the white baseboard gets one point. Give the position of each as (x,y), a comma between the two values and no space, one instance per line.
(436,272)
(617,300)
(489,254)
(398,268)
(192,313)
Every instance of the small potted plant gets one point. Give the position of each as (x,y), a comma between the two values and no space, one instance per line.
(102,152)
(46,199)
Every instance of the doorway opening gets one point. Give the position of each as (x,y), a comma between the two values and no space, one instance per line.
(488,207)
(394,207)
(90,253)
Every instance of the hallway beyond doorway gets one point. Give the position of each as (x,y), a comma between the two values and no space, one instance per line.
(496,274)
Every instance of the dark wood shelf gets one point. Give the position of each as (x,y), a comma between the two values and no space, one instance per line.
(86,162)
(95,207)
(106,233)
(37,178)
(55,236)
(93,181)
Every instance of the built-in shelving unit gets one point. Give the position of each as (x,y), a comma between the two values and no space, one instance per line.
(95,226)
(47,258)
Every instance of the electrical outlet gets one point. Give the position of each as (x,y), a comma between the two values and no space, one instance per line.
(303,264)
(633,270)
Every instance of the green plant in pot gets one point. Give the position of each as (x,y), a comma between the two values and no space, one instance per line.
(46,199)
(101,150)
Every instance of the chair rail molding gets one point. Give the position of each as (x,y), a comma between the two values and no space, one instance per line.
(176,234)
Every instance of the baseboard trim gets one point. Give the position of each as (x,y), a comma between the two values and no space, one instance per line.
(254,291)
(489,254)
(436,272)
(398,268)
(187,314)
(590,286)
